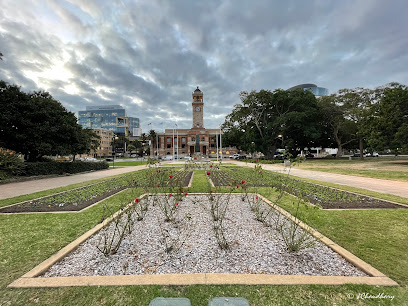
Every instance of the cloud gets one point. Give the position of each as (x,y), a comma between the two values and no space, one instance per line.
(149,56)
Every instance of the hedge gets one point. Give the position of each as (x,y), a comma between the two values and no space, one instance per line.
(45,168)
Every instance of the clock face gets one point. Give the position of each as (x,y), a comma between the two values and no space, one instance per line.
(198,109)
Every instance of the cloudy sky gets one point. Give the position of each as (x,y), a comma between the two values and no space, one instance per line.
(148,56)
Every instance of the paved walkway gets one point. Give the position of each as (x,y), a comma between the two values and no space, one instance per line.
(20,188)
(398,188)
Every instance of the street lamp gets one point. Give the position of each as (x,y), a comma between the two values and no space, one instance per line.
(113,150)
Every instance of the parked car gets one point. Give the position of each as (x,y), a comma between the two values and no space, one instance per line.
(374,154)
(309,155)
(91,159)
(167,157)
(109,159)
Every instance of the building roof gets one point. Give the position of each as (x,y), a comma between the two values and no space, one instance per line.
(302,86)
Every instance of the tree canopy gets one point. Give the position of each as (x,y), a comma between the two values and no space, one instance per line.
(387,123)
(266,120)
(35,124)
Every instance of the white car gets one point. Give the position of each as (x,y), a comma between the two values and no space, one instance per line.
(91,159)
(167,157)
(374,154)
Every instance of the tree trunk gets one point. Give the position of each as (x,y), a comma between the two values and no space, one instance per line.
(361,143)
(338,141)
(271,152)
(339,150)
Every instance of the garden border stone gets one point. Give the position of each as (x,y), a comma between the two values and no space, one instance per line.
(30,279)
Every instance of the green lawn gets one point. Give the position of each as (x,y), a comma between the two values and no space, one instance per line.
(390,168)
(379,237)
(127,163)
(381,174)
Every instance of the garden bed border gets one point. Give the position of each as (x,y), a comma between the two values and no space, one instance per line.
(31,279)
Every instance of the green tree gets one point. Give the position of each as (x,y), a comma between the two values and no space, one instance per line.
(119,143)
(356,104)
(35,124)
(84,140)
(342,131)
(387,125)
(266,120)
(131,148)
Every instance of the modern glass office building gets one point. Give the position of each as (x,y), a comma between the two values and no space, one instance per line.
(317,91)
(104,117)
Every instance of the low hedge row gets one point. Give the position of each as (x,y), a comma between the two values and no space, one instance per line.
(45,168)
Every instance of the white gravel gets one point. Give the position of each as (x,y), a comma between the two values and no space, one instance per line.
(254,248)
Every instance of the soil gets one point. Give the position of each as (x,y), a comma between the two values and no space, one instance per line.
(359,202)
(36,206)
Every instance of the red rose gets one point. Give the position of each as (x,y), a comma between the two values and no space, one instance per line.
(158,170)
(208,173)
(237,186)
(158,185)
(137,200)
(186,193)
(243,182)
(170,194)
(210,166)
(170,176)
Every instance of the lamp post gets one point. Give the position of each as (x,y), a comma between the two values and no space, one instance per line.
(113,149)
(221,141)
(216,140)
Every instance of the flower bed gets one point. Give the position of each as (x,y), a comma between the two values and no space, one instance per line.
(325,197)
(80,198)
(189,244)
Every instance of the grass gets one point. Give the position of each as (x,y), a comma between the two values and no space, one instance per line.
(390,168)
(389,197)
(377,236)
(121,164)
(381,174)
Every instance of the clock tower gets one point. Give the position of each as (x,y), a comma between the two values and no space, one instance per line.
(198,108)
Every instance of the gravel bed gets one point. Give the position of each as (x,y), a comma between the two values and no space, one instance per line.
(254,248)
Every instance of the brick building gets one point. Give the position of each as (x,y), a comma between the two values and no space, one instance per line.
(197,141)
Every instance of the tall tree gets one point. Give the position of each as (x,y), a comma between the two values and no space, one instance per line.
(36,124)
(387,125)
(356,104)
(342,131)
(266,120)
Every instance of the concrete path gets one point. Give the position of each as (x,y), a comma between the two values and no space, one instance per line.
(398,188)
(20,188)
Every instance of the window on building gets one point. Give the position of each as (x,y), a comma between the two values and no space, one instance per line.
(168,139)
(192,138)
(183,139)
(183,145)
(203,139)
